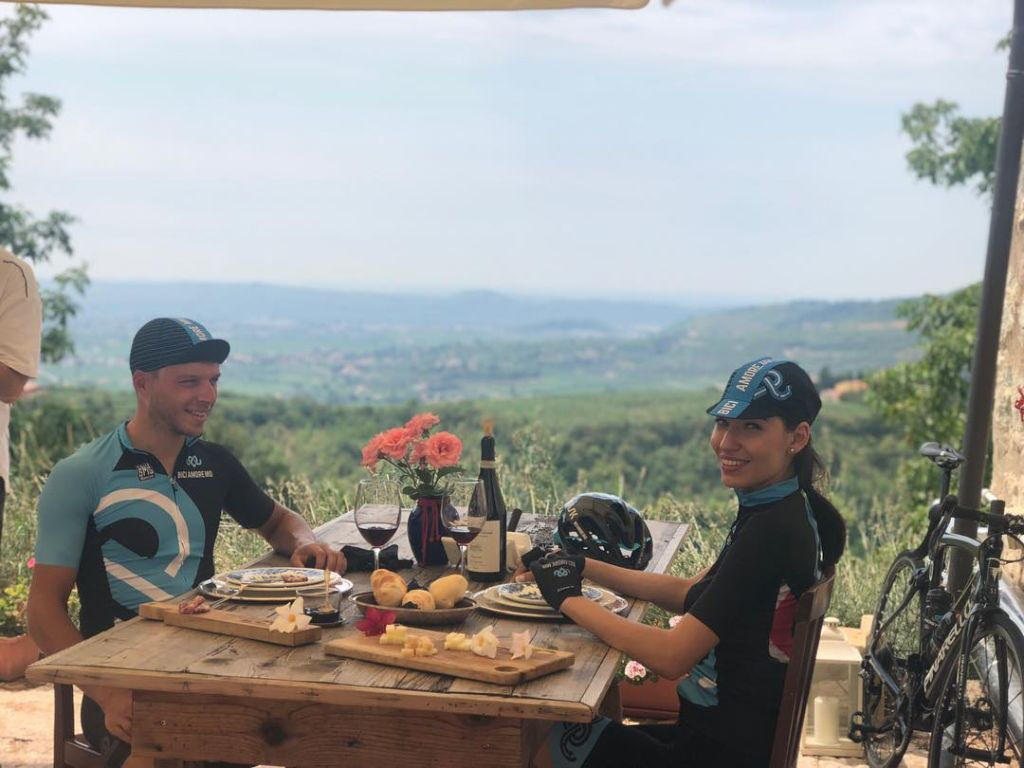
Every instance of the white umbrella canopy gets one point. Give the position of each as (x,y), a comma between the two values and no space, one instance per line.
(366,5)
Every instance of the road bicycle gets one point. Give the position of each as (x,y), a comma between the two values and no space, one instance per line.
(943,663)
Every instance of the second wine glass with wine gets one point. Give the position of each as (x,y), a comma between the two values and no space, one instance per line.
(464,512)
(378,512)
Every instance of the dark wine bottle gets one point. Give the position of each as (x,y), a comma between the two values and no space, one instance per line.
(485,560)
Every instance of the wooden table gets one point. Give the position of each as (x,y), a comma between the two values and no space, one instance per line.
(202,696)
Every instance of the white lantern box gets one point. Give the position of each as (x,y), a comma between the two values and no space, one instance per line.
(835,694)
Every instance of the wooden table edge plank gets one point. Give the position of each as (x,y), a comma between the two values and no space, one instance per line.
(347,695)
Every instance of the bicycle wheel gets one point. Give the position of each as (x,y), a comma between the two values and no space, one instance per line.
(895,644)
(990,700)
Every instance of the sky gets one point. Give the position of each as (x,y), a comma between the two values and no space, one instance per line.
(711,148)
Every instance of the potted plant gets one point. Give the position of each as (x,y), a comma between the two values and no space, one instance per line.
(425,463)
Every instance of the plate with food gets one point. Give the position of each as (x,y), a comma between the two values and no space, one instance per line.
(276,577)
(528,593)
(492,601)
(221,588)
(605,600)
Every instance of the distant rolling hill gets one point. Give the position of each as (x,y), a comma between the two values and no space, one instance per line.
(361,347)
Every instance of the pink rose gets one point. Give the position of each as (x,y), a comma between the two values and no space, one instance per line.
(371,452)
(674,621)
(419,452)
(31,563)
(421,422)
(442,450)
(394,442)
(635,671)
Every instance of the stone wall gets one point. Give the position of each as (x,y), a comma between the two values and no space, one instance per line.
(1007,416)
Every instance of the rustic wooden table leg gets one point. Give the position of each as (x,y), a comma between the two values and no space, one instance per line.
(314,735)
(611,704)
(63,721)
(534,733)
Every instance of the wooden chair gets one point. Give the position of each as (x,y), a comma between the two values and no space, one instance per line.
(70,750)
(810,615)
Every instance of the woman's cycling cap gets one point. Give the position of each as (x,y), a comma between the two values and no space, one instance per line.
(766,387)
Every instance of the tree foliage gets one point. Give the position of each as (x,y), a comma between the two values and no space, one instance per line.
(36,239)
(927,399)
(950,149)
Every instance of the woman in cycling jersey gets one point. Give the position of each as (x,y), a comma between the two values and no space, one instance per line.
(732,646)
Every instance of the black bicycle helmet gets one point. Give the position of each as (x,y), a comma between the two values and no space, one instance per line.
(605,527)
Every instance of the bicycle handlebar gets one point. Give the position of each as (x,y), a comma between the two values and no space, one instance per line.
(949,509)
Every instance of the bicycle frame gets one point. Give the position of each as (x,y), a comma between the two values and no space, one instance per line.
(978,600)
(983,602)
(935,660)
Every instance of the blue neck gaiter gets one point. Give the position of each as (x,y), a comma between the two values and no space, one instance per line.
(767,495)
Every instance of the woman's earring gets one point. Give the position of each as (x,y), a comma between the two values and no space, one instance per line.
(790,450)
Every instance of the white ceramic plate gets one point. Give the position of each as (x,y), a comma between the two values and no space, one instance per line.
(487,600)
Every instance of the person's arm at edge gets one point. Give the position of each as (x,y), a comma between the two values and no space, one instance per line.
(671,653)
(12,384)
(662,589)
(52,630)
(665,591)
(21,317)
(289,534)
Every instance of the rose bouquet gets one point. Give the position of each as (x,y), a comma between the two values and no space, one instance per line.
(422,460)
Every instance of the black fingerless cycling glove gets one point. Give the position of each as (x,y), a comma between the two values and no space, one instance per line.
(558,578)
(538,552)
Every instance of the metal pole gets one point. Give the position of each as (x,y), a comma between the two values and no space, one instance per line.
(993,291)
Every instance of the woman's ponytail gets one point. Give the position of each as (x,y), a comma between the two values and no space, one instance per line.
(831,527)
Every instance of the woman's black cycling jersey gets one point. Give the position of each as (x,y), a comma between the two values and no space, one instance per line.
(748,598)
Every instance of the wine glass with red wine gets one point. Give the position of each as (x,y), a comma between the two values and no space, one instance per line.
(464,512)
(378,512)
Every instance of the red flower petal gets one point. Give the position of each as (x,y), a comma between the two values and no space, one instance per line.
(375,621)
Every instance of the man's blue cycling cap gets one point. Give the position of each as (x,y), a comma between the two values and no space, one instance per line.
(173,341)
(765,387)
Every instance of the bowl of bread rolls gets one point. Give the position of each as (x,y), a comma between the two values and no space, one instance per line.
(444,600)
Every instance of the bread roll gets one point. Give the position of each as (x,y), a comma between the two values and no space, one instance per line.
(388,587)
(418,598)
(448,590)
(380,575)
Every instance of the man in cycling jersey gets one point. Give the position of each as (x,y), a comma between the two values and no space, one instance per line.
(133,516)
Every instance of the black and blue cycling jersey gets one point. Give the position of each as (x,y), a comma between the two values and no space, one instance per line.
(135,533)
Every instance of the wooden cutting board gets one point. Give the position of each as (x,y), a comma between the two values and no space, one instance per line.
(228,623)
(503,670)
